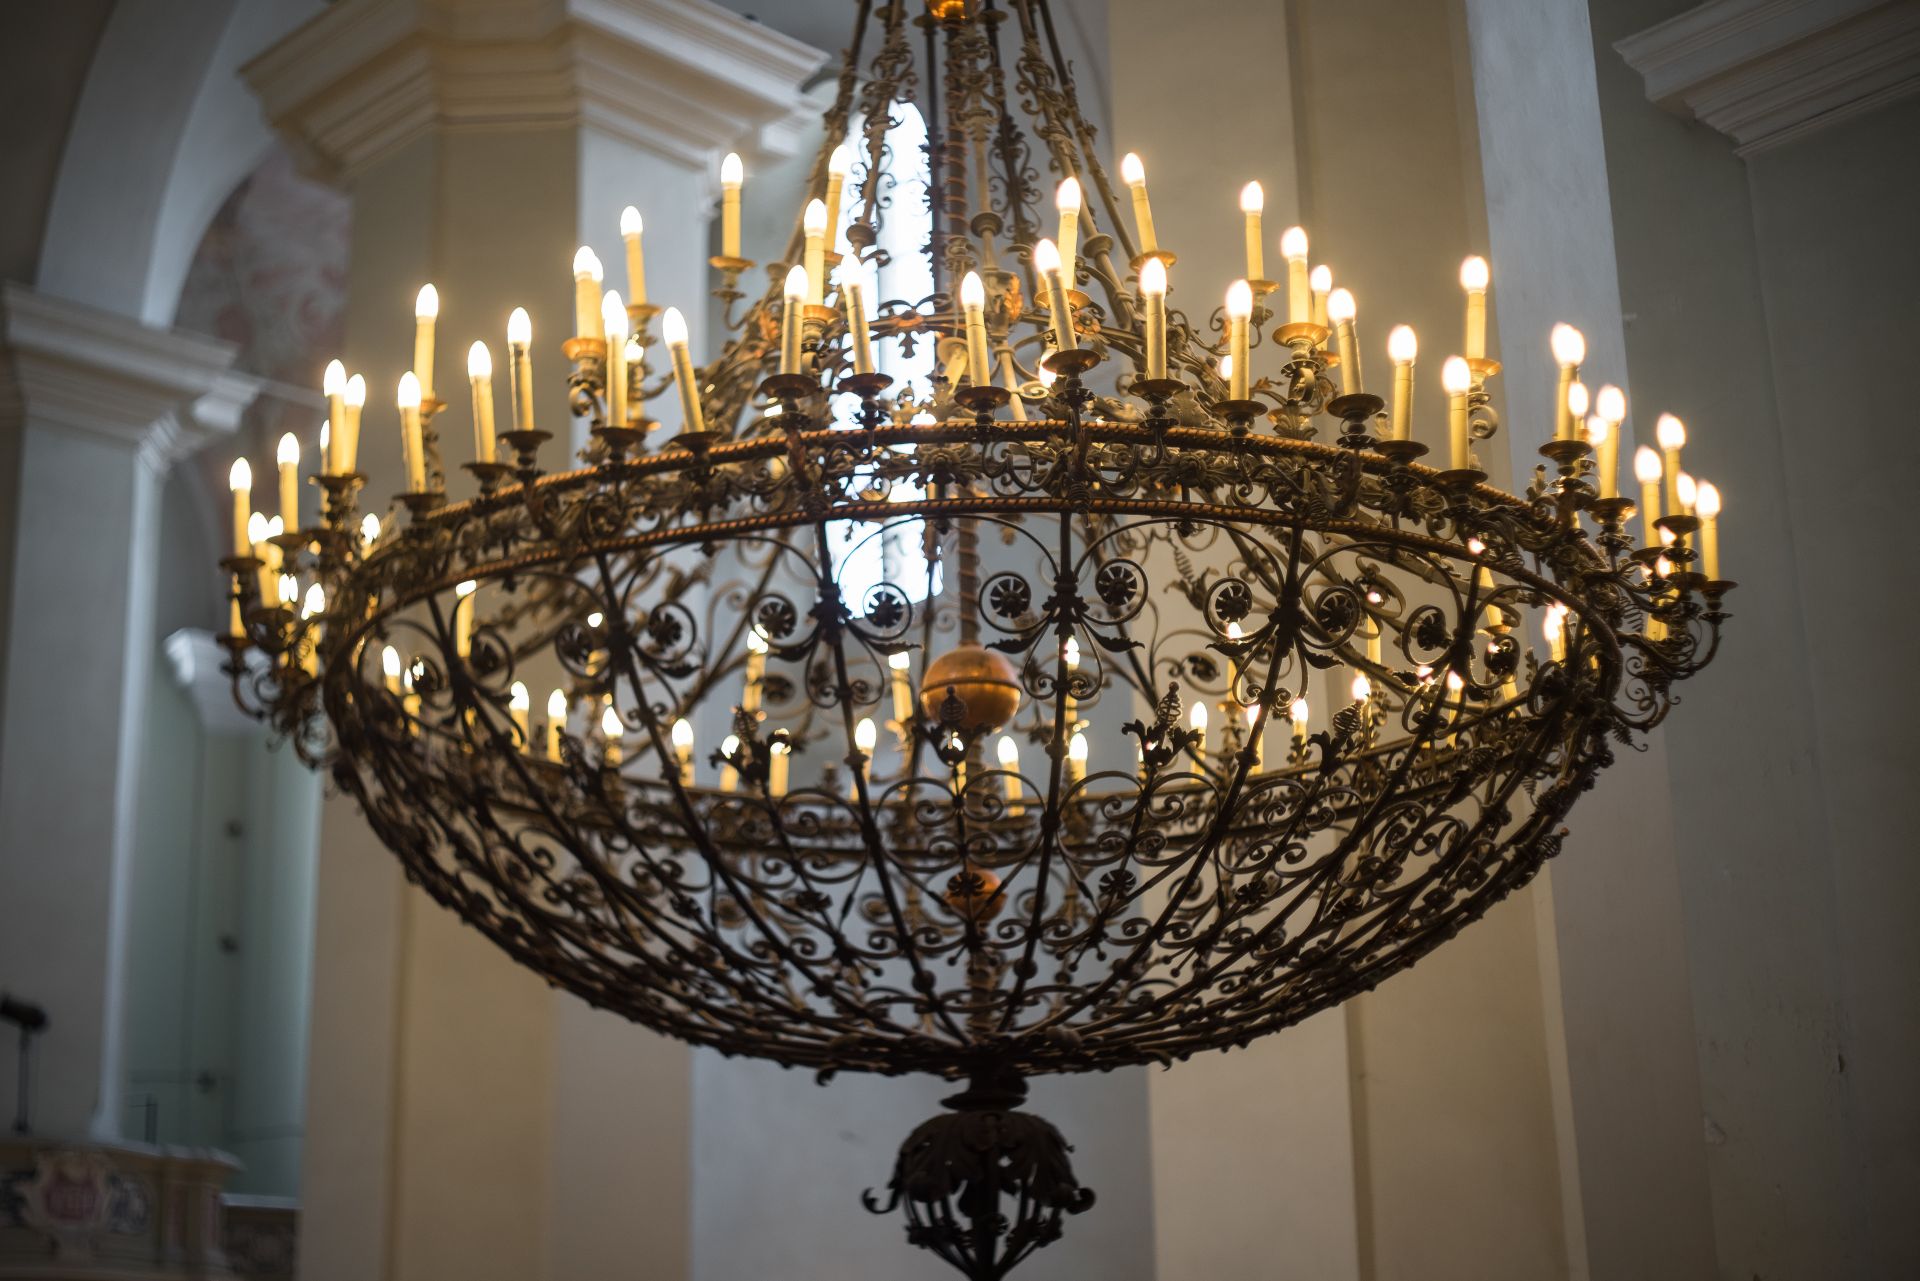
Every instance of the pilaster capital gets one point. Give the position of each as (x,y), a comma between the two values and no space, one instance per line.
(1764,72)
(162,393)
(681,78)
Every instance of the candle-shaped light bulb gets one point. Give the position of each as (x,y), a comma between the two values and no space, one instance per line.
(556,722)
(520,368)
(289,589)
(1569,349)
(631,228)
(813,225)
(1474,277)
(408,400)
(756,670)
(1134,174)
(1297,713)
(480,378)
(1671,433)
(519,704)
(792,330)
(1077,756)
(673,328)
(1706,505)
(1253,204)
(613,319)
(587,275)
(1071,652)
(426,310)
(1046,263)
(1402,349)
(613,730)
(898,666)
(1610,403)
(1239,312)
(729,749)
(1197,721)
(1067,202)
(463,605)
(315,603)
(390,668)
(1293,247)
(1688,493)
(288,458)
(1008,752)
(1646,470)
(839,165)
(333,385)
(1341,311)
(1319,285)
(1553,626)
(853,302)
(1456,378)
(973,302)
(779,761)
(1153,292)
(240,482)
(345,446)
(732,175)
(682,736)
(1578,399)
(1362,687)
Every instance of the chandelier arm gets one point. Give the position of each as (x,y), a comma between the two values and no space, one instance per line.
(1084,132)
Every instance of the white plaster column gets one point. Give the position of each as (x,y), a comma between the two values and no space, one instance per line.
(103,406)
(1616,926)
(463,1120)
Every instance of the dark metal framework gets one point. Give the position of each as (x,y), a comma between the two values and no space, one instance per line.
(914,908)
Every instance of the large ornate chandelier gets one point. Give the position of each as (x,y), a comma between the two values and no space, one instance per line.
(1187,700)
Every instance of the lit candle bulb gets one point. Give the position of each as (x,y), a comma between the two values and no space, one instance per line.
(1646,470)
(732,175)
(813,224)
(480,377)
(1239,311)
(520,368)
(673,328)
(390,668)
(314,605)
(682,735)
(1362,688)
(1610,406)
(240,482)
(973,302)
(613,319)
(1293,247)
(1066,202)
(1569,349)
(556,722)
(1340,310)
(1706,505)
(853,299)
(1672,435)
(613,732)
(1197,722)
(1070,654)
(1686,491)
(519,706)
(1578,400)
(288,457)
(369,532)
(269,551)
(1402,348)
(1009,753)
(409,402)
(756,671)
(631,227)
(463,607)
(777,765)
(586,294)
(729,776)
(1456,378)
(1474,278)
(866,737)
(346,447)
(333,384)
(1046,261)
(1553,626)
(1253,204)
(1253,733)
(289,590)
(1153,293)
(268,572)
(793,298)
(902,687)
(1319,285)
(1297,713)
(1134,174)
(426,310)
(1077,758)
(839,165)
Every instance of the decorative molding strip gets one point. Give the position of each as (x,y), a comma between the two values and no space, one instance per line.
(160,391)
(681,78)
(1765,72)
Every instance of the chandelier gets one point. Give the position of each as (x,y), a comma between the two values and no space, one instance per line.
(1140,682)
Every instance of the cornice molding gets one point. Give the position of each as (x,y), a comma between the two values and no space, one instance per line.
(160,392)
(681,78)
(1764,72)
